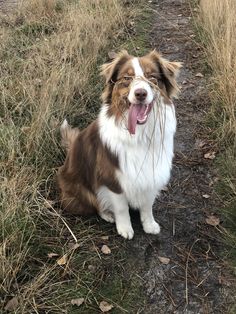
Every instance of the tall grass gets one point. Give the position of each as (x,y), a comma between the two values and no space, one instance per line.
(219,27)
(219,22)
(49,54)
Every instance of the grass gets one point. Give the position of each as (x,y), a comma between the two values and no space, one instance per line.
(217,26)
(49,57)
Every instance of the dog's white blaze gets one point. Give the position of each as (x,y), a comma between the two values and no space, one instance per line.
(138,71)
(138,82)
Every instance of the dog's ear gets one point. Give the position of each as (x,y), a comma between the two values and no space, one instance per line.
(169,72)
(110,70)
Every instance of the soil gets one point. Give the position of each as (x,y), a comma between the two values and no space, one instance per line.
(194,280)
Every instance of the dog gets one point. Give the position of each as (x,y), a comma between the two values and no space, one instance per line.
(124,157)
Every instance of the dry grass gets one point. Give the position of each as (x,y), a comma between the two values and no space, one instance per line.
(218,19)
(49,52)
(219,27)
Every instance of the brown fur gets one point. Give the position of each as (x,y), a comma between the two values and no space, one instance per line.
(119,73)
(89,164)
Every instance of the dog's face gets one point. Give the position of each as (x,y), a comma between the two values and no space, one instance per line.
(133,84)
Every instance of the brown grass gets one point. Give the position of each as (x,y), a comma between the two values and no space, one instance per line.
(49,55)
(217,18)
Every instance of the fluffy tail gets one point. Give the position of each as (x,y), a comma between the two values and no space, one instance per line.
(68,135)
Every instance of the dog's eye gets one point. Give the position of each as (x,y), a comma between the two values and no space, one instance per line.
(125,81)
(127,78)
(153,80)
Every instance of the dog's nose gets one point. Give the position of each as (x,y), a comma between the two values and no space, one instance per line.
(140,94)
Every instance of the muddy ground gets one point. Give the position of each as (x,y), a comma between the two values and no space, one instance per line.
(194,281)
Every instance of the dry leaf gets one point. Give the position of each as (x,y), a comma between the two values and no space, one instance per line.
(77,302)
(12,304)
(105,249)
(199,75)
(213,220)
(92,268)
(206,196)
(112,54)
(105,307)
(210,155)
(62,260)
(50,255)
(164,260)
(199,143)
(165,188)
(105,238)
(25,129)
(75,246)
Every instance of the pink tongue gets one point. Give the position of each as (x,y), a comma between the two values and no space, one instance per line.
(136,112)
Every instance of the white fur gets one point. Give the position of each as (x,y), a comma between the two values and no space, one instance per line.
(138,83)
(145,161)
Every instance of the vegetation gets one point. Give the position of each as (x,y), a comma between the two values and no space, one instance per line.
(218,26)
(49,57)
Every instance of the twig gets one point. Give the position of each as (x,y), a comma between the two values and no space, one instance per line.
(59,216)
(186,271)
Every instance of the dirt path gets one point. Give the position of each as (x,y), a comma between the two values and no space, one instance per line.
(192,282)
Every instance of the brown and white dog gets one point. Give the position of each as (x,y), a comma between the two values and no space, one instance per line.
(124,157)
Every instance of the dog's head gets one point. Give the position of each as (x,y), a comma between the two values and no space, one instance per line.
(133,85)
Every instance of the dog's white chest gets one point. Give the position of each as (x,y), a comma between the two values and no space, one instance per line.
(145,159)
(145,167)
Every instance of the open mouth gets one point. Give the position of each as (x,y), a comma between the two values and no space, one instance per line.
(138,114)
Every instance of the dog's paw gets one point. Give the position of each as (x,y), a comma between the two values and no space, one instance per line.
(151,227)
(107,215)
(126,231)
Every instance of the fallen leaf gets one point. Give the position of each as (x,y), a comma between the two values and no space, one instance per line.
(213,220)
(77,302)
(206,196)
(105,238)
(165,188)
(12,304)
(50,255)
(164,260)
(112,54)
(92,268)
(105,249)
(199,143)
(54,123)
(214,180)
(210,155)
(199,75)
(75,246)
(62,260)
(25,129)
(105,307)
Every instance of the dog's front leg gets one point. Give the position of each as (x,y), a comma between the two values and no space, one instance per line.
(146,215)
(120,208)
